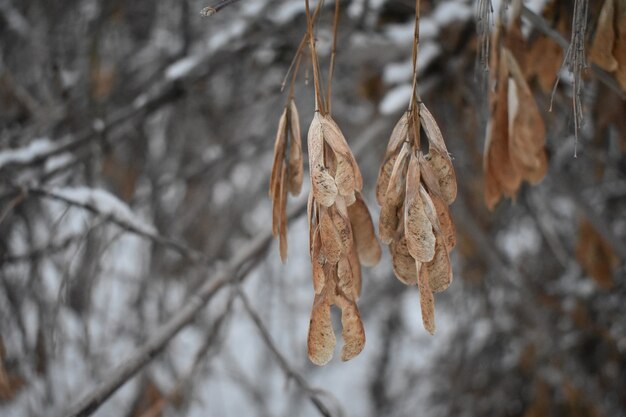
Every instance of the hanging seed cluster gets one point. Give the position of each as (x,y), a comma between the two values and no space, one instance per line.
(341,238)
(287,171)
(414,191)
(515,143)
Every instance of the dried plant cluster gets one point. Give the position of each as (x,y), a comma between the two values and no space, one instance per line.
(287,171)
(515,142)
(414,190)
(341,238)
(609,44)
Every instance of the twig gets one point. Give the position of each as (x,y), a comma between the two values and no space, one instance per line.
(211,10)
(186,251)
(333,53)
(155,344)
(289,371)
(319,99)
(228,274)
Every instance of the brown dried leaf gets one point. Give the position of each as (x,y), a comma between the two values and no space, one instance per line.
(402,262)
(417,228)
(526,128)
(595,255)
(619,50)
(296,168)
(601,52)
(544,61)
(500,173)
(427,301)
(367,245)
(321,339)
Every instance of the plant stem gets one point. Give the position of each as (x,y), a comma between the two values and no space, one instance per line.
(301,46)
(413,105)
(319,104)
(331,69)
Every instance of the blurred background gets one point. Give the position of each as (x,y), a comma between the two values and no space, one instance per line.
(136,145)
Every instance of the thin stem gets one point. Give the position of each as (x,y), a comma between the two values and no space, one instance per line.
(416,41)
(319,105)
(293,78)
(333,53)
(413,103)
(301,46)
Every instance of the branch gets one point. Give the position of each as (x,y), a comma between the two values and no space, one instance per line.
(289,371)
(184,250)
(244,259)
(155,344)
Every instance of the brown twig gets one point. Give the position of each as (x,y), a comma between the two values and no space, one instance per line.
(229,273)
(282,361)
(333,53)
(211,10)
(319,99)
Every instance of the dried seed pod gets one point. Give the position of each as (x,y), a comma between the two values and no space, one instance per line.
(321,338)
(527,132)
(345,277)
(353,333)
(402,262)
(317,262)
(601,52)
(356,272)
(394,196)
(417,228)
(339,215)
(335,139)
(445,221)
(439,159)
(427,300)
(439,269)
(296,169)
(283,215)
(332,245)
(276,176)
(399,135)
(344,178)
(363,230)
(322,183)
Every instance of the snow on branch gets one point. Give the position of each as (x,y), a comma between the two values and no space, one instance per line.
(27,154)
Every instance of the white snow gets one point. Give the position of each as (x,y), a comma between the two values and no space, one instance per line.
(27,153)
(181,68)
(396,99)
(106,203)
(287,11)
(452,11)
